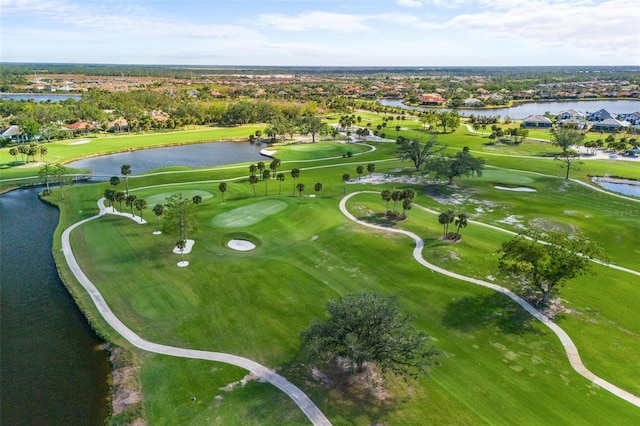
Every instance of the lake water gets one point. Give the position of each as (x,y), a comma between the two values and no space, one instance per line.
(38,97)
(200,155)
(622,188)
(51,370)
(525,110)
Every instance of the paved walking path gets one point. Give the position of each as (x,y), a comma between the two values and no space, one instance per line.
(569,347)
(300,398)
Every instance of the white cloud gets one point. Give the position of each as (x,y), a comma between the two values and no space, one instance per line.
(338,22)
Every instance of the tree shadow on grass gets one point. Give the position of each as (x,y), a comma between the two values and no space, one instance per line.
(379,219)
(495,310)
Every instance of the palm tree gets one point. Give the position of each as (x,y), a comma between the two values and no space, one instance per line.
(300,188)
(125,170)
(345,179)
(140,205)
(318,188)
(253,179)
(115,181)
(120,197)
(280,178)
(386,197)
(371,167)
(130,202)
(406,205)
(396,195)
(461,222)
(443,219)
(275,163)
(252,169)
(295,173)
(260,167)
(158,210)
(180,245)
(266,175)
(359,171)
(196,199)
(223,188)
(110,195)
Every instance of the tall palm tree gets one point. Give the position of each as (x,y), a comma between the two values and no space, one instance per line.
(300,188)
(253,179)
(396,195)
(252,169)
(223,188)
(196,199)
(345,179)
(275,163)
(443,219)
(260,167)
(130,201)
(386,197)
(140,205)
(461,222)
(280,178)
(295,173)
(317,188)
(115,181)
(266,174)
(371,167)
(125,170)
(158,210)
(359,171)
(110,195)
(120,197)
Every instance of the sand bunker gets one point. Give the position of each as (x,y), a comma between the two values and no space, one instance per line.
(241,245)
(516,188)
(80,142)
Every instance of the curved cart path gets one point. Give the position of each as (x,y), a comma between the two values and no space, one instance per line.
(300,398)
(569,347)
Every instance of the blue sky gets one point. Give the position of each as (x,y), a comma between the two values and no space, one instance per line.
(332,33)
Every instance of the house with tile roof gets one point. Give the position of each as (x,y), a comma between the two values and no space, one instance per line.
(609,125)
(537,121)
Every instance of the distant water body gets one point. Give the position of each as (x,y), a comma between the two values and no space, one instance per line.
(535,108)
(38,97)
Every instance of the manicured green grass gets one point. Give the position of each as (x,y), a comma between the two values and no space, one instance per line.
(498,365)
(308,151)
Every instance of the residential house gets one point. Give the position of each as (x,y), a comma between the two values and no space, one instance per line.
(632,118)
(431,99)
(81,127)
(13,133)
(601,114)
(571,118)
(537,121)
(609,125)
(473,102)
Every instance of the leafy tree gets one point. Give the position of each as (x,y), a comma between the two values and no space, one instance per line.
(570,160)
(565,138)
(59,172)
(13,151)
(180,216)
(317,188)
(542,268)
(30,128)
(223,188)
(449,119)
(280,178)
(313,125)
(158,210)
(295,173)
(253,179)
(360,171)
(415,150)
(125,170)
(300,188)
(369,327)
(463,164)
(345,179)
(46,171)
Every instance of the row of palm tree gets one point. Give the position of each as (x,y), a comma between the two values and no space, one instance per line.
(448,217)
(404,197)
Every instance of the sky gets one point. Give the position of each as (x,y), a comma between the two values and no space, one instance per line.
(322,33)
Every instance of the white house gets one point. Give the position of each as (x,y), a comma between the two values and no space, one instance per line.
(601,114)
(632,118)
(609,125)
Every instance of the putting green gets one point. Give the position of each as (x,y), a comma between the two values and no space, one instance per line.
(157,302)
(507,177)
(248,215)
(162,198)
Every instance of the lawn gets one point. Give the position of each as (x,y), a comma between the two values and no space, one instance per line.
(498,365)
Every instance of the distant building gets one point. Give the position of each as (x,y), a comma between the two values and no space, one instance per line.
(537,121)
(609,125)
(14,133)
(473,102)
(632,118)
(431,99)
(601,114)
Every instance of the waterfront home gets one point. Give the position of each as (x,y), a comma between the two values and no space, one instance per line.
(537,121)
(473,102)
(600,115)
(609,125)
(13,133)
(431,99)
(632,118)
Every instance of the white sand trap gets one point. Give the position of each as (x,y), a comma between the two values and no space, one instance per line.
(182,263)
(187,248)
(268,152)
(80,142)
(157,232)
(515,189)
(241,245)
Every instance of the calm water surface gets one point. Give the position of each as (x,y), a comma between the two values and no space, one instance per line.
(38,97)
(622,188)
(199,155)
(51,369)
(524,110)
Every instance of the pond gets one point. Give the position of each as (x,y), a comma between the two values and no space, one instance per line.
(38,97)
(535,108)
(198,155)
(622,188)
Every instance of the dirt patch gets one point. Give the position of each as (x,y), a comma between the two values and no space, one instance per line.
(337,375)
(126,394)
